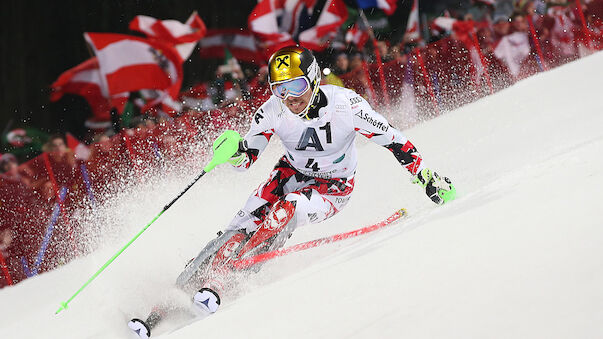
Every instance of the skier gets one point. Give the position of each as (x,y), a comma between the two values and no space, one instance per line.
(313,180)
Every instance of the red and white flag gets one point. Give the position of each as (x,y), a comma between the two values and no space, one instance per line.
(357,36)
(241,43)
(333,14)
(464,31)
(130,63)
(513,49)
(82,152)
(264,23)
(85,80)
(198,97)
(443,23)
(183,35)
(278,23)
(155,101)
(170,31)
(387,6)
(412,27)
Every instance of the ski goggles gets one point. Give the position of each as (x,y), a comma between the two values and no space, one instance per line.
(294,87)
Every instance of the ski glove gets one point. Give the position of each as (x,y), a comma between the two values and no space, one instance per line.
(439,189)
(238,158)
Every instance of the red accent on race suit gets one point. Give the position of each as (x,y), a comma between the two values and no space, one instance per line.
(273,189)
(367,135)
(227,251)
(268,135)
(414,166)
(270,190)
(332,209)
(281,213)
(333,186)
(407,146)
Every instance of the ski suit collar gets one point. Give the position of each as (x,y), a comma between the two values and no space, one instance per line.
(320,102)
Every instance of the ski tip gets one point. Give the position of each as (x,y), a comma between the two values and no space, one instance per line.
(402,212)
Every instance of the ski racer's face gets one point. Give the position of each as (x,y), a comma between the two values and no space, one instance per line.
(298,104)
(295,93)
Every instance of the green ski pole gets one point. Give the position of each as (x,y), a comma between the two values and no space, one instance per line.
(225,146)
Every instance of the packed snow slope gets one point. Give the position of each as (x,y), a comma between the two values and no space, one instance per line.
(519,254)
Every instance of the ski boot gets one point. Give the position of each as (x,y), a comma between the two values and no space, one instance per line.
(140,328)
(207,300)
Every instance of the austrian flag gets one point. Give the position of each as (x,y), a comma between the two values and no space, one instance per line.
(412,27)
(311,23)
(85,80)
(129,63)
(388,6)
(240,43)
(170,31)
(183,36)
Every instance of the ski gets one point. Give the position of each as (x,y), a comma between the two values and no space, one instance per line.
(207,300)
(256,259)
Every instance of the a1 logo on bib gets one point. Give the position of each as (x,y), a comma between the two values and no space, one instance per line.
(310,138)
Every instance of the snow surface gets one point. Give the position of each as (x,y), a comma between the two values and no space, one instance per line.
(519,254)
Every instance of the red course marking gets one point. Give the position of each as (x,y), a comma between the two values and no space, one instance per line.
(248,262)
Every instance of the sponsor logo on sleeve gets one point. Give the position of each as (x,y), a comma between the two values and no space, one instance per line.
(379,124)
(355,100)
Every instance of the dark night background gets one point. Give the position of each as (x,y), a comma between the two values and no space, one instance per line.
(41,39)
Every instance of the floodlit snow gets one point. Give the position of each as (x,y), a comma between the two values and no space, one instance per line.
(519,254)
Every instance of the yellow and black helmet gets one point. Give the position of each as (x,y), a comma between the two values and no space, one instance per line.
(294,62)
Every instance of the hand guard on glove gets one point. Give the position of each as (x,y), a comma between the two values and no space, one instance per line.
(439,189)
(239,157)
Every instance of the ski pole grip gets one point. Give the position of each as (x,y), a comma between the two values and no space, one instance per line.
(225,146)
